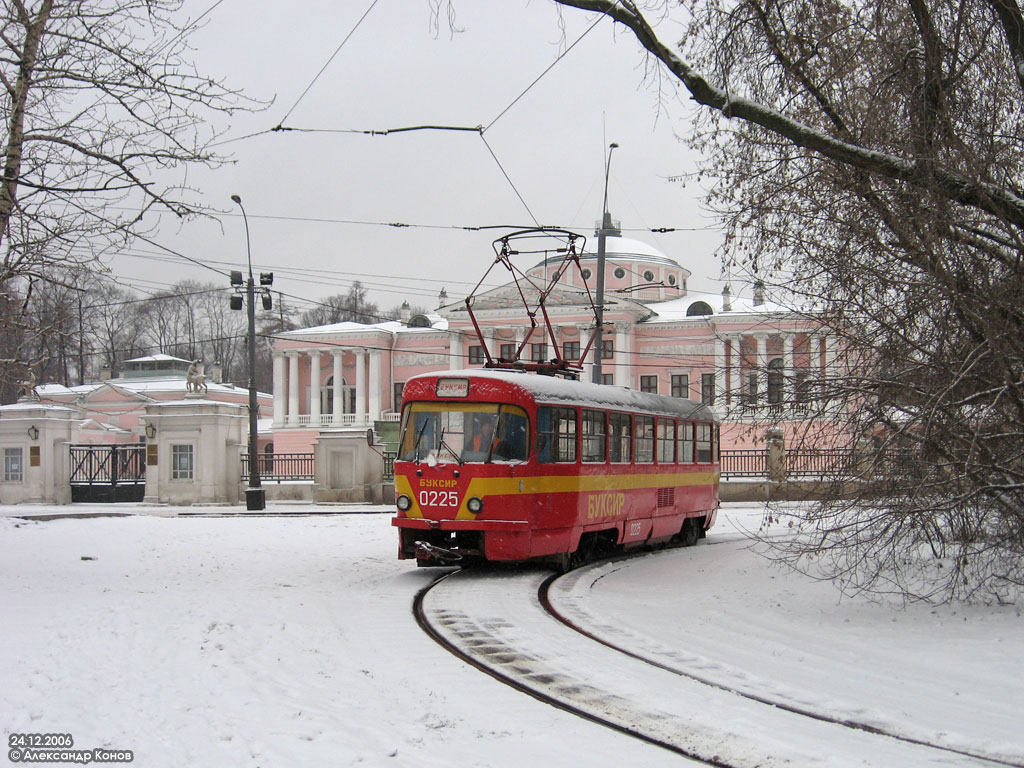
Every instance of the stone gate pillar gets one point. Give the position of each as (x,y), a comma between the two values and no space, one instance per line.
(35,461)
(195,455)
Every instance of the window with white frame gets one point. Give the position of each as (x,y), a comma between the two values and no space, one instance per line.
(680,385)
(182,462)
(14,466)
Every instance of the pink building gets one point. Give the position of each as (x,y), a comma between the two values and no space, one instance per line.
(752,359)
(114,407)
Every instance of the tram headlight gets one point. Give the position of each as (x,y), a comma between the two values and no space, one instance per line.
(475,505)
(404,503)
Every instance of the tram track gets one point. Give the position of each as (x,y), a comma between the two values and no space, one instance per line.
(504,623)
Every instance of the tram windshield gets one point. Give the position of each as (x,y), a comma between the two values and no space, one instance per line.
(464,432)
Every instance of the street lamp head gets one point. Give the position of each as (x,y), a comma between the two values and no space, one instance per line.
(613,145)
(237,199)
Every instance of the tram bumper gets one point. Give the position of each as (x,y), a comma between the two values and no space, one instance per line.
(445,542)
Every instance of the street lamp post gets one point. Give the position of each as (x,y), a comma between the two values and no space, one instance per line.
(255,495)
(602,234)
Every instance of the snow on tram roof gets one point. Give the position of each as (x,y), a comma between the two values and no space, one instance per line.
(554,389)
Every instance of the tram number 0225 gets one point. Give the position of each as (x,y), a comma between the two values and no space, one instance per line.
(439,499)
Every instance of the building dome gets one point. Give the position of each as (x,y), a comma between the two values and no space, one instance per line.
(633,269)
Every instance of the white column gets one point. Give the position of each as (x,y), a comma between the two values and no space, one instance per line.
(788,369)
(280,394)
(831,355)
(455,360)
(817,345)
(337,405)
(588,364)
(720,363)
(736,374)
(374,385)
(314,388)
(762,369)
(360,417)
(623,368)
(293,388)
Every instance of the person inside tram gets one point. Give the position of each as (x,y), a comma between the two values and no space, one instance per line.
(481,442)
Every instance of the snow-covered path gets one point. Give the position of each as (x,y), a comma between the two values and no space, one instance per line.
(279,641)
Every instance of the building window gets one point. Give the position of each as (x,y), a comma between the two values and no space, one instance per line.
(707,388)
(649,384)
(397,395)
(608,378)
(586,274)
(14,467)
(671,279)
(508,351)
(648,276)
(775,381)
(592,436)
(680,385)
(476,355)
(539,353)
(182,462)
(571,350)
(607,349)
(619,273)
(750,390)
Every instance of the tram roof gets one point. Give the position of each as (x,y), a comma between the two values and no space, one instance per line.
(557,390)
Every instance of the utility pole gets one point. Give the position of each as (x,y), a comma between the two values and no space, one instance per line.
(602,234)
(255,494)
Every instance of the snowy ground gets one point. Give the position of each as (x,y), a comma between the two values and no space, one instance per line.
(289,640)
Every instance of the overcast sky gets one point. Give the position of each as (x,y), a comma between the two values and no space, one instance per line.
(303,190)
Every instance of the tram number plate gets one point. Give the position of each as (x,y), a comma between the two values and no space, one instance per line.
(635,529)
(439,499)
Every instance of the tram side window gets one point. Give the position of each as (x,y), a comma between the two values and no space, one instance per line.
(644,440)
(556,434)
(686,442)
(666,441)
(704,443)
(718,443)
(592,435)
(620,437)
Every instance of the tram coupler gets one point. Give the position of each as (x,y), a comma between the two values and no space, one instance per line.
(427,551)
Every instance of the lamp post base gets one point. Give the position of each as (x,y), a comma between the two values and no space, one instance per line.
(255,499)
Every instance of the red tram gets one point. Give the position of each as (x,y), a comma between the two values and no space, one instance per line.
(509,466)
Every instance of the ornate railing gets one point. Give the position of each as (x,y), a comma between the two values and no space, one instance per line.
(281,466)
(744,462)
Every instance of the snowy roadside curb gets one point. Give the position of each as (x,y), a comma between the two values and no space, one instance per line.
(45,512)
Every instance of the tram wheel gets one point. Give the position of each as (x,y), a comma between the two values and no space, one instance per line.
(690,532)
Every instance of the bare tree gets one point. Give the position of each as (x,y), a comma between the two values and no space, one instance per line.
(870,157)
(102,113)
(348,307)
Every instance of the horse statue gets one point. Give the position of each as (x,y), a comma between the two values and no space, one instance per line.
(194,380)
(28,386)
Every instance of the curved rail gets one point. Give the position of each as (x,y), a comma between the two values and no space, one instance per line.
(776,702)
(516,635)
(515,683)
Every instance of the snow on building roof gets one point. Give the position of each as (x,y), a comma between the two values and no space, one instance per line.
(676,309)
(156,358)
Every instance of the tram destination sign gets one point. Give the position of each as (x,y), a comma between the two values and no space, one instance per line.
(452,388)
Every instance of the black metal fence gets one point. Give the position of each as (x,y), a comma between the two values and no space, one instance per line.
(278,467)
(108,473)
(753,462)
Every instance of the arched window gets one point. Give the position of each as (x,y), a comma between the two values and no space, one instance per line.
(775,381)
(699,308)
